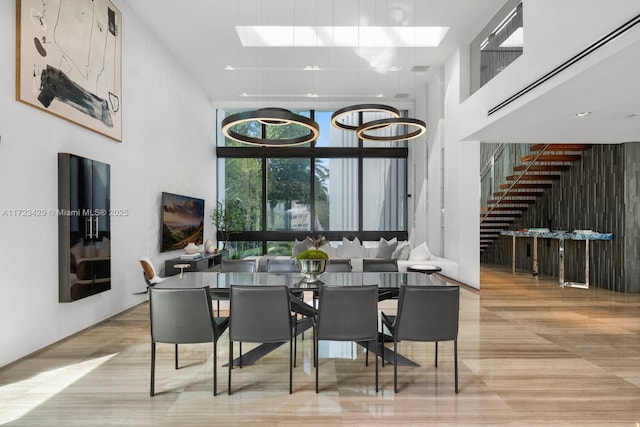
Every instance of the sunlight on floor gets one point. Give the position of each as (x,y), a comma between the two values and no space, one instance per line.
(36,390)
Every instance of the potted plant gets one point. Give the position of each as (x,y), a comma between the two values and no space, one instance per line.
(312,263)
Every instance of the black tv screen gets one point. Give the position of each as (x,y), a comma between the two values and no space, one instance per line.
(182,221)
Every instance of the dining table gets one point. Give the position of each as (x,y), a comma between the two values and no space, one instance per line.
(389,284)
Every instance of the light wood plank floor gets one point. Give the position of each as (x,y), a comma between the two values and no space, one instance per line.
(530,352)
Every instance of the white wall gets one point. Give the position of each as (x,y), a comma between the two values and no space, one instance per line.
(554,31)
(168,145)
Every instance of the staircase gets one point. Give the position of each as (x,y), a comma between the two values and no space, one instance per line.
(529,178)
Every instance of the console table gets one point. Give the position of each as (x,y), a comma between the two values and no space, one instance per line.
(561,237)
(206,261)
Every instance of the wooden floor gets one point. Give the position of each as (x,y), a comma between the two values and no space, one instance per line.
(530,352)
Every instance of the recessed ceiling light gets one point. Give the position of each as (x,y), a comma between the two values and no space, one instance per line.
(380,95)
(312,95)
(244,94)
(312,68)
(229,67)
(582,114)
(394,68)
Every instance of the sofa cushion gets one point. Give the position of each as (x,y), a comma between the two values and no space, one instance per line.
(420,253)
(402,251)
(386,248)
(299,246)
(351,248)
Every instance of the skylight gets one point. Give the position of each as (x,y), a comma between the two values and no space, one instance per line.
(346,36)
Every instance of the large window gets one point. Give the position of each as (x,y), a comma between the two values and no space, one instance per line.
(337,186)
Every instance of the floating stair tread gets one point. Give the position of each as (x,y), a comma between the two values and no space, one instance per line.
(501,207)
(519,193)
(499,214)
(551,158)
(527,186)
(560,147)
(542,168)
(510,201)
(531,177)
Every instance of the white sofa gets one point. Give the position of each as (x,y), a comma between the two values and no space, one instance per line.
(356,252)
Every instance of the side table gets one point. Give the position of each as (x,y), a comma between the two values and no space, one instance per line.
(424,268)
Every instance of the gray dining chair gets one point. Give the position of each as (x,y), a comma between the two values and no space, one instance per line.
(379,265)
(425,313)
(347,313)
(183,316)
(282,266)
(338,265)
(237,266)
(335,265)
(231,266)
(261,314)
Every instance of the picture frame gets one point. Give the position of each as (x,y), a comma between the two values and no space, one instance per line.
(182,221)
(69,61)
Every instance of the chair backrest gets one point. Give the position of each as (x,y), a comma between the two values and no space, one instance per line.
(379,265)
(181,315)
(260,314)
(338,265)
(148,269)
(348,313)
(237,265)
(428,313)
(282,266)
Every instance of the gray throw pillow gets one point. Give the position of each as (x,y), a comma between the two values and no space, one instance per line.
(386,248)
(300,246)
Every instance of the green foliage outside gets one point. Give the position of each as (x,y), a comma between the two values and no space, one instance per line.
(288,182)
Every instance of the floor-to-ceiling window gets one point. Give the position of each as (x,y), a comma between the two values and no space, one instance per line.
(337,187)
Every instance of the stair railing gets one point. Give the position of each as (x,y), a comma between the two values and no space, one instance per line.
(506,192)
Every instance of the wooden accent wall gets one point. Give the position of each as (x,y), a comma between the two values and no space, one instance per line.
(601,192)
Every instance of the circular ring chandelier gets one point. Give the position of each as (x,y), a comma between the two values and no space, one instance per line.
(419,126)
(274,117)
(364,108)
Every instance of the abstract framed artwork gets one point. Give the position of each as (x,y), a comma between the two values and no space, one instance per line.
(69,61)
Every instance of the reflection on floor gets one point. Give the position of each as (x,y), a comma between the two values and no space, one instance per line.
(530,353)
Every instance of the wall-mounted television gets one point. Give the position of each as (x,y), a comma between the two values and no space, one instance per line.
(182,221)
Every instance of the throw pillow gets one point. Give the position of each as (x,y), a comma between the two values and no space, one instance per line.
(299,246)
(386,248)
(420,253)
(351,249)
(326,249)
(402,251)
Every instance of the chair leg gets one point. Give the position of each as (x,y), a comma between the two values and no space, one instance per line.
(295,345)
(436,354)
(153,368)
(176,351)
(379,352)
(366,358)
(230,366)
(315,356)
(455,357)
(240,357)
(215,368)
(395,366)
(291,358)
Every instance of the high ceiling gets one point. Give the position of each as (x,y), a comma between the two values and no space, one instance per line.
(202,35)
